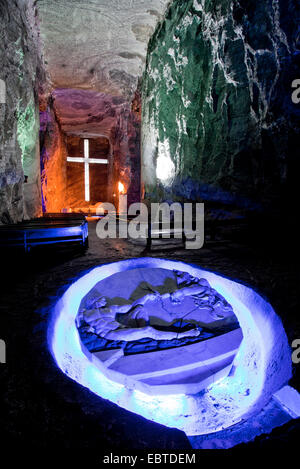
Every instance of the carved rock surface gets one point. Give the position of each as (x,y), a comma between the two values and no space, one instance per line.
(218,119)
(53,155)
(98,45)
(21,71)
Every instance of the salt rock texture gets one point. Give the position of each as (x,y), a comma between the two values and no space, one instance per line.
(22,72)
(98,45)
(218,119)
(86,112)
(53,160)
(126,149)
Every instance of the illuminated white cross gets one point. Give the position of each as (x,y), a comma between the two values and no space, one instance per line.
(86,160)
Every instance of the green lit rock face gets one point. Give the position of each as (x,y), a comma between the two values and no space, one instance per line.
(26,131)
(216,114)
(19,123)
(28,140)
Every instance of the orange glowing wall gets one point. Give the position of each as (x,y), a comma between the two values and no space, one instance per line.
(53,163)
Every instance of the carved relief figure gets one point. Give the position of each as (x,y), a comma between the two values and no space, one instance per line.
(136,320)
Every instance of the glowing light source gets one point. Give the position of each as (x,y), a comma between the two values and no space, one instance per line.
(87,161)
(246,390)
(121,187)
(165,169)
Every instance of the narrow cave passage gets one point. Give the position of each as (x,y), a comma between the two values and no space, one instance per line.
(90,142)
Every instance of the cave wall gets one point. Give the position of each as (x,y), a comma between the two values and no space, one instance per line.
(22,72)
(126,152)
(53,156)
(218,120)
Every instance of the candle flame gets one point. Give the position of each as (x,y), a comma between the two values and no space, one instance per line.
(121,187)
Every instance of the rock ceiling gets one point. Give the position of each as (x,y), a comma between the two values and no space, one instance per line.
(84,112)
(97,46)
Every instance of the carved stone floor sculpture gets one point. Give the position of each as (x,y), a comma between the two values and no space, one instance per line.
(159,331)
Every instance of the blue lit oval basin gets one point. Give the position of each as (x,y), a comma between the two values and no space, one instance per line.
(178,366)
(211,385)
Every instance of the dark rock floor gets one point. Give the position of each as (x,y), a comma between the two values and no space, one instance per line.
(42,409)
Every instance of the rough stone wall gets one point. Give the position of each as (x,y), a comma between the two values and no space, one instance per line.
(218,120)
(21,71)
(98,45)
(125,139)
(53,154)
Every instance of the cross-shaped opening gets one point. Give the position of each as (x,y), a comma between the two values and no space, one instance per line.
(87,160)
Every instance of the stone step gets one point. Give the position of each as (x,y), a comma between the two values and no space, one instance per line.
(190,381)
(108,357)
(187,369)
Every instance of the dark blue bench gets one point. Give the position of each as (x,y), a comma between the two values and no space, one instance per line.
(50,229)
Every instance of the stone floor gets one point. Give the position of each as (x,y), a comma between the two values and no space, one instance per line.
(43,409)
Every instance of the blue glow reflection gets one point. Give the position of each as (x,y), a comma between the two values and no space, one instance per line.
(246,390)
